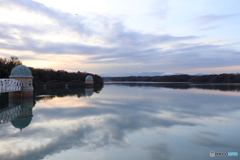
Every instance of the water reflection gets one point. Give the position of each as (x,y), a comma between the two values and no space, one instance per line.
(208,86)
(41,93)
(125,122)
(18,111)
(24,118)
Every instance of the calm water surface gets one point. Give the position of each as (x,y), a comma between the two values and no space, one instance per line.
(130,121)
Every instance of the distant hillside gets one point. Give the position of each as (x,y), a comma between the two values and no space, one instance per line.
(140,74)
(221,78)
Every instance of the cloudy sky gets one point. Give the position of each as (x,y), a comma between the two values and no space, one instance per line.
(122,37)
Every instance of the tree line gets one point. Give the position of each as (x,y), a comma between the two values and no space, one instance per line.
(214,78)
(45,75)
(7,64)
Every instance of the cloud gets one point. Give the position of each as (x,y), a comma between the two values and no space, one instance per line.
(159,151)
(111,31)
(106,123)
(108,127)
(124,41)
(118,44)
(121,36)
(65,141)
(201,55)
(205,19)
(128,123)
(210,143)
(209,133)
(63,19)
(88,134)
(124,105)
(208,28)
(159,9)
(107,41)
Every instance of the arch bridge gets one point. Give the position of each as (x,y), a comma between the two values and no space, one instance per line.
(10,85)
(73,81)
(53,82)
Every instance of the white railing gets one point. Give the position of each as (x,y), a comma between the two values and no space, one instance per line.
(10,114)
(10,85)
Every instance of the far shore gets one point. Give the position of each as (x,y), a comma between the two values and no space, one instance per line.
(213,78)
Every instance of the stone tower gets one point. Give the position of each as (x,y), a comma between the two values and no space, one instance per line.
(24,75)
(89,81)
(25,117)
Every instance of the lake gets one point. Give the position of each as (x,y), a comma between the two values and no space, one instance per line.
(130,121)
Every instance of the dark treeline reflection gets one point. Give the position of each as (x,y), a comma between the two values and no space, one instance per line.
(40,93)
(45,94)
(17,111)
(209,86)
(4,100)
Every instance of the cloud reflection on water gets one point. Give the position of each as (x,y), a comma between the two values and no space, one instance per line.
(111,120)
(159,151)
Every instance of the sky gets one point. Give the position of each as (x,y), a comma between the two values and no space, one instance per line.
(123,37)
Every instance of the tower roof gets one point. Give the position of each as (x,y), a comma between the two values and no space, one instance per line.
(21,122)
(89,77)
(20,71)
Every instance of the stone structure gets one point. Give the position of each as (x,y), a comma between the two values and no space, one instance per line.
(25,117)
(24,75)
(18,111)
(89,92)
(89,81)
